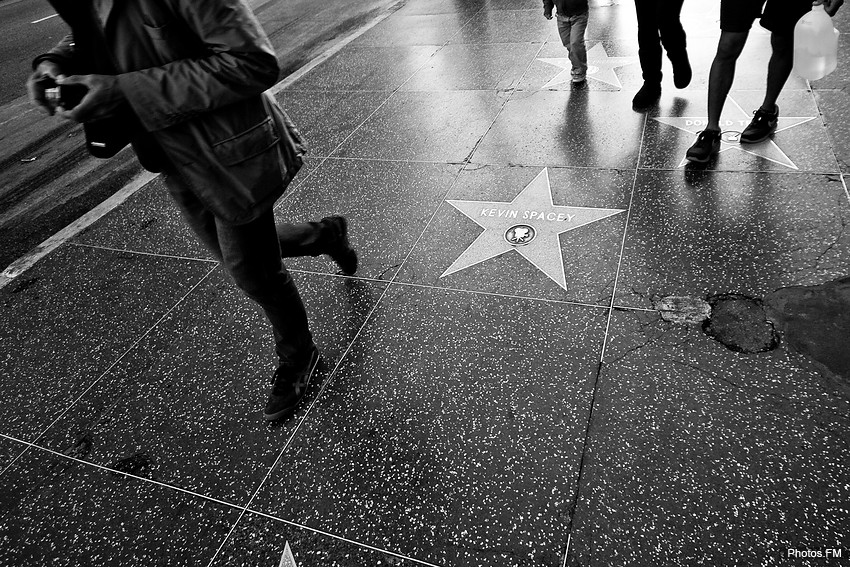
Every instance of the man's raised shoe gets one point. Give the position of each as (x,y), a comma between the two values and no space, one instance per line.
(289,384)
(648,95)
(682,72)
(340,249)
(762,126)
(707,145)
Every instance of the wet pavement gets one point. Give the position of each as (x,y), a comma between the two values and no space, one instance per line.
(551,355)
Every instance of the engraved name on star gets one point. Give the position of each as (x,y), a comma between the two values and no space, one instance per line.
(732,124)
(600,67)
(530,225)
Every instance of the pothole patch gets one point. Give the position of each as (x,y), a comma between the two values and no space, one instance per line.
(740,323)
(683,309)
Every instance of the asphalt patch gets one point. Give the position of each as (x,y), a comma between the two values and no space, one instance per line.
(815,322)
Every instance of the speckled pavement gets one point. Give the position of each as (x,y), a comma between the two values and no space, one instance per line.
(558,400)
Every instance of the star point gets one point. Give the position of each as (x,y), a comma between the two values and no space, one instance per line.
(600,67)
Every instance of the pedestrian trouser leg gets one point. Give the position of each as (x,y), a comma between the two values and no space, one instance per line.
(250,253)
(572,37)
(305,239)
(649,40)
(673,36)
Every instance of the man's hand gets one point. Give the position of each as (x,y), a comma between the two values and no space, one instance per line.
(45,76)
(547,13)
(101,101)
(831,6)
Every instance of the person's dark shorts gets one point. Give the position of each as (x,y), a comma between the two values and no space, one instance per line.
(779,16)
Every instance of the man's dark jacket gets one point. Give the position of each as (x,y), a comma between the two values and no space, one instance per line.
(567,7)
(194,73)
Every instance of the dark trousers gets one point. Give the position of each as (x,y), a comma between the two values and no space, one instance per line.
(251,254)
(658,24)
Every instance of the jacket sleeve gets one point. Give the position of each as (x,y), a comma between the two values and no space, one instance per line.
(240,63)
(62,54)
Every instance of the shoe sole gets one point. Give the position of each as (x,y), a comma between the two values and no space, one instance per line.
(762,139)
(648,103)
(646,106)
(702,160)
(278,415)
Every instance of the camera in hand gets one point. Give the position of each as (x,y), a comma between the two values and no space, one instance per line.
(104,137)
(66,96)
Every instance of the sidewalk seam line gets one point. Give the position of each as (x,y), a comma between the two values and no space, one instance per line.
(340,538)
(605,338)
(114,363)
(330,378)
(32,445)
(143,253)
(840,173)
(164,485)
(28,260)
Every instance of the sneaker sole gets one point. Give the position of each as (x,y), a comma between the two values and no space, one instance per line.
(278,415)
(759,140)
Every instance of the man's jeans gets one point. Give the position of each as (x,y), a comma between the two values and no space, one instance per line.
(571,30)
(251,254)
(658,23)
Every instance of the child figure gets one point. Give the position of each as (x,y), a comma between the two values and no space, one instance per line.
(572,21)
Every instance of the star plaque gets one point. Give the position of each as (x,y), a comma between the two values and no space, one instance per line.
(600,67)
(530,225)
(732,124)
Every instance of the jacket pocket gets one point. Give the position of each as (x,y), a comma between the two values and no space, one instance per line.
(169,41)
(246,145)
(159,33)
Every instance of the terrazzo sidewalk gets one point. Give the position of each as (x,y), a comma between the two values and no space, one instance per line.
(520,374)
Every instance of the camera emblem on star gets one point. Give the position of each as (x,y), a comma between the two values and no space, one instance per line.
(520,235)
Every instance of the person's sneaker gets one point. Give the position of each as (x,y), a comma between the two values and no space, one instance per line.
(579,85)
(340,250)
(289,384)
(763,125)
(707,145)
(648,94)
(682,72)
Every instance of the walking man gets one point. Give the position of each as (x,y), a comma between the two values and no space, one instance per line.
(736,19)
(185,81)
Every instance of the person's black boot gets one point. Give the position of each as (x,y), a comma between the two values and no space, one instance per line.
(289,384)
(706,146)
(648,95)
(340,249)
(682,72)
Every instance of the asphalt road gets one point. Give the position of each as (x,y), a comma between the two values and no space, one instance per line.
(24,33)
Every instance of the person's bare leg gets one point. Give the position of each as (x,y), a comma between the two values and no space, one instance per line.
(778,69)
(722,74)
